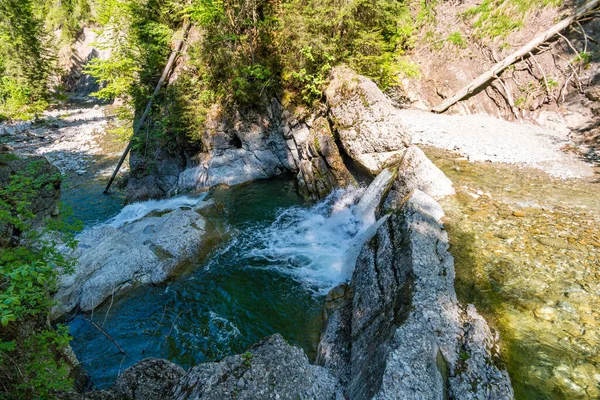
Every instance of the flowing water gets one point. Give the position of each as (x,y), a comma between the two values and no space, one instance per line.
(278,257)
(527,253)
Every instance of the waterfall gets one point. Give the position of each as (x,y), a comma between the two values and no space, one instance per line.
(319,245)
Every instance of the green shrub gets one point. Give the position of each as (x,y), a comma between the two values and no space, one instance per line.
(30,361)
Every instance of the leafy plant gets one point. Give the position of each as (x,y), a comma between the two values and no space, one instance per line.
(29,363)
(457,39)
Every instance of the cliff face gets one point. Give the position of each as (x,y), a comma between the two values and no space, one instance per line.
(359,124)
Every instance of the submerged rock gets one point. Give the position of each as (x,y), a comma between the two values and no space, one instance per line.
(271,369)
(368,125)
(401,333)
(112,258)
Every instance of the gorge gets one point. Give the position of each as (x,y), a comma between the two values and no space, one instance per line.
(293,222)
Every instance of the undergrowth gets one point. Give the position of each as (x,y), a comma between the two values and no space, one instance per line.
(499,18)
(30,362)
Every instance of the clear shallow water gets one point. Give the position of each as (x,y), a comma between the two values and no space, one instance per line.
(278,258)
(527,254)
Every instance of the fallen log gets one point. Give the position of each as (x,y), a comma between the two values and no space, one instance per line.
(176,48)
(493,72)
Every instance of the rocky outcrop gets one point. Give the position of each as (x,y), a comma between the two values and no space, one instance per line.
(366,122)
(400,332)
(149,379)
(74,59)
(236,147)
(111,258)
(271,369)
(417,172)
(45,190)
(320,164)
(243,145)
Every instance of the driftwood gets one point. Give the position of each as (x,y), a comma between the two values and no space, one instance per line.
(176,48)
(493,72)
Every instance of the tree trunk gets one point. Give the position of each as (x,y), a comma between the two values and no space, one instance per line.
(490,74)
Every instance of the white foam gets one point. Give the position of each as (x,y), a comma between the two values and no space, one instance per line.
(135,211)
(317,245)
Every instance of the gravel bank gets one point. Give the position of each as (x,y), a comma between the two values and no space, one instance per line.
(484,138)
(69,138)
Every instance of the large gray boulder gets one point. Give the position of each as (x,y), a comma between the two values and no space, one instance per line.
(417,172)
(149,379)
(400,332)
(368,125)
(271,369)
(111,258)
(234,146)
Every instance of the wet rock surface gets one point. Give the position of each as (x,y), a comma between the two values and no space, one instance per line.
(111,258)
(401,316)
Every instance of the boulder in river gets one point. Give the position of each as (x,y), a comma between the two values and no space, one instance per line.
(271,369)
(111,258)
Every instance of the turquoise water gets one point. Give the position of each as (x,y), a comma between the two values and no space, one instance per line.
(226,300)
(85,197)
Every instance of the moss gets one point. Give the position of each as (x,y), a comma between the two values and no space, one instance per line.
(8,157)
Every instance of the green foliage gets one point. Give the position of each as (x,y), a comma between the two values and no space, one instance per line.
(26,60)
(247,357)
(68,16)
(29,366)
(457,39)
(499,18)
(371,36)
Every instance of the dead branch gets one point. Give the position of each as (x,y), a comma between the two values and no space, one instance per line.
(568,42)
(166,72)
(509,98)
(531,57)
(102,331)
(573,74)
(497,69)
